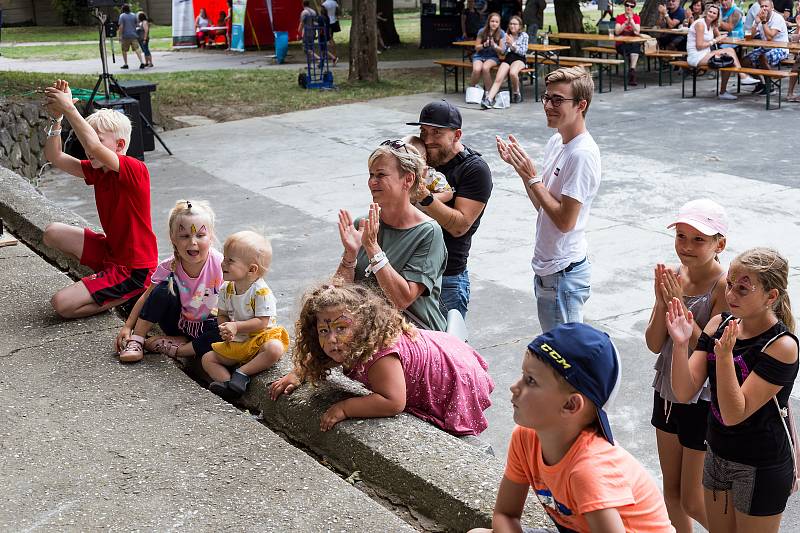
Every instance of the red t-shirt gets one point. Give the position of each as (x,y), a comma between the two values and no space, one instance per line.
(622,19)
(593,475)
(123,203)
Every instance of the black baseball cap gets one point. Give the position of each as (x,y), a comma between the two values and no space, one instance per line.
(439,114)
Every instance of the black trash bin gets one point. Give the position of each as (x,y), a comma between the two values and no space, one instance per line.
(140,90)
(130,107)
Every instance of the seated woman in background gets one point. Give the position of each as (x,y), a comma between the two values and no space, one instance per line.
(703,34)
(516,46)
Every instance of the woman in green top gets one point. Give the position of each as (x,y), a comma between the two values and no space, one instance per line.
(396,248)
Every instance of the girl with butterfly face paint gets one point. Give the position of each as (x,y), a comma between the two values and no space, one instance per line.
(183,293)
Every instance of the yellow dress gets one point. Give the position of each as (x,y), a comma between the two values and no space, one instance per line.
(257,301)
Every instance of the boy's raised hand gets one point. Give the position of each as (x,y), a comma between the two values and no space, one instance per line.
(59,98)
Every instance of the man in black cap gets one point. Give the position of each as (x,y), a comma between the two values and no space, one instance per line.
(469,175)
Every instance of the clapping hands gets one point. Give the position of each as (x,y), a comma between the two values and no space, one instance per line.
(58,98)
(512,153)
(680,323)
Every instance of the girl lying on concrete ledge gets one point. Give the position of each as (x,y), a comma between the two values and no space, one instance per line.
(430,374)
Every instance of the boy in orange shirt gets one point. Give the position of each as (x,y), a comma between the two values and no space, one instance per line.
(562,446)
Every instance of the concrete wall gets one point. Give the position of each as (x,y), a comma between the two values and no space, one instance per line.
(22,136)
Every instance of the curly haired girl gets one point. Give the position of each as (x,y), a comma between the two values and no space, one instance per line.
(430,374)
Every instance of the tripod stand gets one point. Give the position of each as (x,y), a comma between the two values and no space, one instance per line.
(107,80)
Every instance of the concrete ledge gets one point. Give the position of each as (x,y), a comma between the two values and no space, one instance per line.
(26,213)
(405,459)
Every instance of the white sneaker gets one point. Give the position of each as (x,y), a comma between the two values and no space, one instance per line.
(748,80)
(727,96)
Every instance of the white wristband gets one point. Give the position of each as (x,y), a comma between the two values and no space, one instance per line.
(534,180)
(383,262)
(377,258)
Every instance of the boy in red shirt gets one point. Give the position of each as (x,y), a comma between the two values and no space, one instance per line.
(562,446)
(125,256)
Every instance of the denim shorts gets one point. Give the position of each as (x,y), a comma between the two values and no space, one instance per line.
(560,296)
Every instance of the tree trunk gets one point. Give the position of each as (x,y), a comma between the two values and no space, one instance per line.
(649,13)
(569,20)
(363,42)
(387,27)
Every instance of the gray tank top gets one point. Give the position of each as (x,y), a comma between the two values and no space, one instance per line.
(700,306)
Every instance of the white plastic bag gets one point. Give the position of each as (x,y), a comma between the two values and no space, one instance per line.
(502,100)
(474,95)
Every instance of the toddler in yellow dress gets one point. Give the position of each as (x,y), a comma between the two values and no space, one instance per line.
(251,337)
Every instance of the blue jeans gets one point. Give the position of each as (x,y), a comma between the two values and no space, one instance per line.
(560,296)
(455,294)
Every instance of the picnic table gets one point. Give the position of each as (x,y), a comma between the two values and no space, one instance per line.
(603,37)
(758,43)
(667,31)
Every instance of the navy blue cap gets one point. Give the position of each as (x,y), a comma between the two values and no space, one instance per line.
(588,360)
(439,114)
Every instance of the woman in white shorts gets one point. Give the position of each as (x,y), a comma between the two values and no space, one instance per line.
(704,34)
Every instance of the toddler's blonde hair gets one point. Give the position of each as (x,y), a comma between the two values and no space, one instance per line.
(111,121)
(253,248)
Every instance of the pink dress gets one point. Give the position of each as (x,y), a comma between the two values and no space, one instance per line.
(447,383)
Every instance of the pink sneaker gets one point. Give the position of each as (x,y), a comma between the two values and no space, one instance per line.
(133,351)
(165,345)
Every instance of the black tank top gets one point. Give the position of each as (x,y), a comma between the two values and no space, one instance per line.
(760,440)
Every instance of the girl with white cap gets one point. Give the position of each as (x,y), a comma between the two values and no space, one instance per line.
(700,235)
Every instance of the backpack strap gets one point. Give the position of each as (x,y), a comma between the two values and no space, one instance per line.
(784,413)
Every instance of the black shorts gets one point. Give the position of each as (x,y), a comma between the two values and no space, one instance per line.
(336,27)
(688,421)
(755,490)
(512,56)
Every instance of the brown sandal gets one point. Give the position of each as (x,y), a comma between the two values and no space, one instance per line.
(133,351)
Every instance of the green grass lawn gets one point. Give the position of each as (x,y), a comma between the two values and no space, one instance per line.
(46,34)
(70,52)
(237,94)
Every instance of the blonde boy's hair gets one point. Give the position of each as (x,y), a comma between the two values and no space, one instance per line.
(578,78)
(110,121)
(252,247)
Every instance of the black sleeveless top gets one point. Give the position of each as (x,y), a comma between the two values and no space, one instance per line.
(759,440)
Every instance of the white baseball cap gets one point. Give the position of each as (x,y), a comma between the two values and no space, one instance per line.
(704,215)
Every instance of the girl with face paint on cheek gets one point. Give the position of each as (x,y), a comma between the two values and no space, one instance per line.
(429,374)
(183,292)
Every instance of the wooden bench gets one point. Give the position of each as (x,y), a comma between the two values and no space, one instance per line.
(693,71)
(664,57)
(453,66)
(600,51)
(774,79)
(603,65)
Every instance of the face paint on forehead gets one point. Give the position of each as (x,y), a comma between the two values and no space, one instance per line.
(181,227)
(193,228)
(341,318)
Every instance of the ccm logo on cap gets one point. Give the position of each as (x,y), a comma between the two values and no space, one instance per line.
(546,348)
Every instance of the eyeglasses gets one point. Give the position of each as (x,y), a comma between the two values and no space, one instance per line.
(395,145)
(630,5)
(556,100)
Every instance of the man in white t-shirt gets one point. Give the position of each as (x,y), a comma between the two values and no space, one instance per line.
(331,8)
(769,26)
(562,195)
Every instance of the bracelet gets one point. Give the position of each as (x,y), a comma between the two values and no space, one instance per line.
(348,264)
(53,133)
(383,262)
(377,258)
(374,267)
(534,180)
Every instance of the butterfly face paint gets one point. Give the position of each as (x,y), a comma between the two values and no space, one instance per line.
(335,330)
(190,243)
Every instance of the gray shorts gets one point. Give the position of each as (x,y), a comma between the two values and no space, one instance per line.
(755,490)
